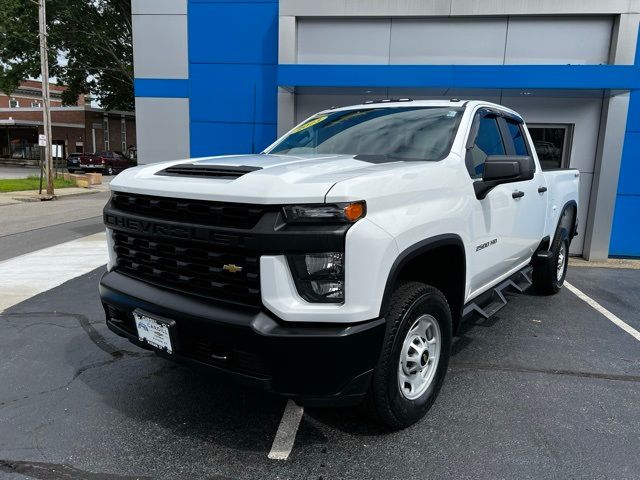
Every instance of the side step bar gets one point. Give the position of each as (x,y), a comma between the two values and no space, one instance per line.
(488,304)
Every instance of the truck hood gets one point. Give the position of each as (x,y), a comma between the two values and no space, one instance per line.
(280,179)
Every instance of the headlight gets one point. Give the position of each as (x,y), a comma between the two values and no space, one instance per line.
(325,213)
(319,277)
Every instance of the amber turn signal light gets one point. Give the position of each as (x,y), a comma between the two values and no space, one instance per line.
(354,211)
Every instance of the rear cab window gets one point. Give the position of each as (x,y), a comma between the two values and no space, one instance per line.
(517,136)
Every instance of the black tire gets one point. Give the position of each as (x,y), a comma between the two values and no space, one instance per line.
(548,277)
(108,170)
(385,401)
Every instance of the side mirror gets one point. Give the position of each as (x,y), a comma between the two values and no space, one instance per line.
(499,169)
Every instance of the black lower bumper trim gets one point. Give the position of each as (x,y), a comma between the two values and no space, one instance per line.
(315,364)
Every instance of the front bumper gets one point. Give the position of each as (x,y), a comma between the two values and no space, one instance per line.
(314,364)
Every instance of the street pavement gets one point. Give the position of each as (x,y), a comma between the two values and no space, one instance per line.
(547,388)
(29,226)
(18,172)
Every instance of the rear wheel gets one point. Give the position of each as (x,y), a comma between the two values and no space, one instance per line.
(548,277)
(414,357)
(108,170)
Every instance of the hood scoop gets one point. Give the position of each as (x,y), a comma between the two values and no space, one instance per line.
(203,170)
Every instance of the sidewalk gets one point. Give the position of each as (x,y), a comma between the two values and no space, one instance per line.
(627,263)
(11,198)
(27,275)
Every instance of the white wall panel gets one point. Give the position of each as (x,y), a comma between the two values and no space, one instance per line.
(159,7)
(160,46)
(578,40)
(424,8)
(446,41)
(343,41)
(162,128)
(362,8)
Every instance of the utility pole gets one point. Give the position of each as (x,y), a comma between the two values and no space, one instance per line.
(46,112)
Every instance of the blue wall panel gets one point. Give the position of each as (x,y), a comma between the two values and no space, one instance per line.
(233,33)
(623,77)
(233,52)
(625,231)
(233,93)
(629,181)
(162,88)
(264,134)
(220,138)
(625,234)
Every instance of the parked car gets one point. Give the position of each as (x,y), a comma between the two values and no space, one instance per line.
(73,162)
(336,266)
(108,162)
(547,150)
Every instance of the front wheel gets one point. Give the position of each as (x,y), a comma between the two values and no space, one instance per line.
(414,358)
(108,171)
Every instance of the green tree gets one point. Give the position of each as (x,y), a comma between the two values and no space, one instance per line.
(89,48)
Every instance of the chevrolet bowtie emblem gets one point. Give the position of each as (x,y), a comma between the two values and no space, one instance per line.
(231,268)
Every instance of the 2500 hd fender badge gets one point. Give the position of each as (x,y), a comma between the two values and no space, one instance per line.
(486,244)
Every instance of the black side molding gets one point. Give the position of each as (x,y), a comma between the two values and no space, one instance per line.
(414,251)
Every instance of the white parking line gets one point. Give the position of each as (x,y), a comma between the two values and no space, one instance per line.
(286,434)
(27,275)
(616,320)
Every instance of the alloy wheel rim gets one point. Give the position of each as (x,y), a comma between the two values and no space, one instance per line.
(562,258)
(419,357)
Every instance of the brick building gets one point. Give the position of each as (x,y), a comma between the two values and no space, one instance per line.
(80,128)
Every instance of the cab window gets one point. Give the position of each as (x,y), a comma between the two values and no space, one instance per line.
(515,129)
(488,142)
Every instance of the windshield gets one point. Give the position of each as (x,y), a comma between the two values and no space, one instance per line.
(395,133)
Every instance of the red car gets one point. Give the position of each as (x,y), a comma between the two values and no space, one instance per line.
(106,162)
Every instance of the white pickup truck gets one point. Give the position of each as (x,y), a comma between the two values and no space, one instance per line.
(335,267)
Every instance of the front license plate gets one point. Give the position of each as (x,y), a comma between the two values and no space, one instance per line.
(155,332)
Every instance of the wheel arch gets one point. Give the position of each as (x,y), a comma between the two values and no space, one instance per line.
(567,225)
(447,253)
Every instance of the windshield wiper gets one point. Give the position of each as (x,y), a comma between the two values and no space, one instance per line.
(384,158)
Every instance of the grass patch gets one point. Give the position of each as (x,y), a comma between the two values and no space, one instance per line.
(32,183)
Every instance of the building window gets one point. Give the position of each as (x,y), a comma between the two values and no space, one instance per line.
(123,134)
(106,133)
(13,103)
(552,143)
(36,104)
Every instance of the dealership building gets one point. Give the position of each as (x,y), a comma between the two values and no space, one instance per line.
(216,77)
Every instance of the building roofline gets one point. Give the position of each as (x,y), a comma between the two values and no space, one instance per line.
(35,123)
(73,108)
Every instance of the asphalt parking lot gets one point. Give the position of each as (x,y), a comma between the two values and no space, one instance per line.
(548,388)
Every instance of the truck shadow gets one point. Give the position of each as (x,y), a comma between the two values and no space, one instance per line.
(186,403)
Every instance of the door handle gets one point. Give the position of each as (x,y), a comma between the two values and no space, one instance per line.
(517,194)
(542,189)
